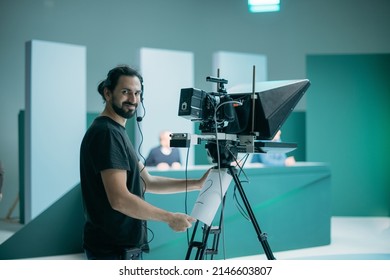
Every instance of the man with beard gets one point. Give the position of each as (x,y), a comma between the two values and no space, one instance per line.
(114,181)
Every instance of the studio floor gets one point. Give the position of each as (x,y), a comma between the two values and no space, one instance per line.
(352,238)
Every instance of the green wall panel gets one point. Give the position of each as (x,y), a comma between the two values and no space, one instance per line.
(348,126)
(56,231)
(294,130)
(21,138)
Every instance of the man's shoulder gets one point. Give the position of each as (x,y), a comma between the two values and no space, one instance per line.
(105,124)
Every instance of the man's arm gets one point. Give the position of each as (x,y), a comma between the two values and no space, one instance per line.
(164,185)
(122,200)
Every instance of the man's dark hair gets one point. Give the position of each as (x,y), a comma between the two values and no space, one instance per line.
(113,76)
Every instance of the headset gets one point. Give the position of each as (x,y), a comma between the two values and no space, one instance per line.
(140,118)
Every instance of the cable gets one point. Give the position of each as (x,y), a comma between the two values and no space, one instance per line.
(241,170)
(141,141)
(138,120)
(186,193)
(219,168)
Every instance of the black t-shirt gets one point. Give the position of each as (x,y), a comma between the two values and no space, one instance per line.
(106,145)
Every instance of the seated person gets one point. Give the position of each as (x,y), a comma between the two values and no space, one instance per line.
(273,159)
(163,156)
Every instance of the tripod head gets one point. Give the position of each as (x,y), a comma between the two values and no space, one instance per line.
(223,152)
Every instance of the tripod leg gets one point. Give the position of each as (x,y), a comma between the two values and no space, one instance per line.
(192,243)
(202,249)
(217,232)
(202,246)
(261,236)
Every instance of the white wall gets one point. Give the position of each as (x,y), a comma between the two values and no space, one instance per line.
(165,73)
(55,121)
(240,69)
(237,67)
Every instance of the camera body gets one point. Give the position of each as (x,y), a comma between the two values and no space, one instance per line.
(214,110)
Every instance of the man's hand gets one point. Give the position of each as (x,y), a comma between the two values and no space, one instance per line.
(180,222)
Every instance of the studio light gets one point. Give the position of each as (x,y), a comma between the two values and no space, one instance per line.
(260,6)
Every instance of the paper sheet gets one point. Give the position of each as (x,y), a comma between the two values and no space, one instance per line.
(211,195)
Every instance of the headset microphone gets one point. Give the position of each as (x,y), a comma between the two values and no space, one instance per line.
(139,119)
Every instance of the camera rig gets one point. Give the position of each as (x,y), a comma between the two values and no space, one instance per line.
(246,119)
(243,121)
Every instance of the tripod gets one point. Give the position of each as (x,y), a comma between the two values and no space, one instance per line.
(225,157)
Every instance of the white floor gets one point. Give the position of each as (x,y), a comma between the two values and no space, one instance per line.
(352,238)
(357,238)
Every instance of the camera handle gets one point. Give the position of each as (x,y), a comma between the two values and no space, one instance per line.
(220,83)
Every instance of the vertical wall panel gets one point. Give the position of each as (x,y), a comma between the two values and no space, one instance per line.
(237,68)
(165,73)
(55,121)
(348,126)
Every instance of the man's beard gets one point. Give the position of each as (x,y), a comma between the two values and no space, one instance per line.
(123,113)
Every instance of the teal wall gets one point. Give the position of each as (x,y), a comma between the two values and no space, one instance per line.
(285,38)
(294,130)
(348,126)
(56,231)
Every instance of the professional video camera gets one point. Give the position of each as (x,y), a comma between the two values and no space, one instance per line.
(248,117)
